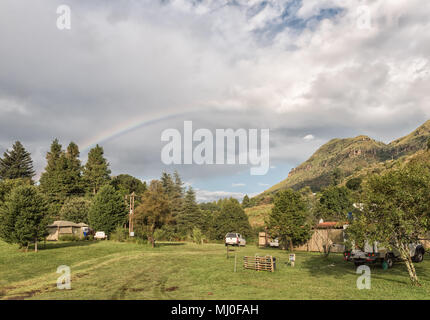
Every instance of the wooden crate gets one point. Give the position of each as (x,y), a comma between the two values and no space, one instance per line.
(259,263)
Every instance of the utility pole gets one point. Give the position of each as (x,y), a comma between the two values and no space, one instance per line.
(126,205)
(130,221)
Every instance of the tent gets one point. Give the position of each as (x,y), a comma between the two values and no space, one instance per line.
(61,228)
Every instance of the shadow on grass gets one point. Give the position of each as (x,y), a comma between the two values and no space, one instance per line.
(168,244)
(66,244)
(334,265)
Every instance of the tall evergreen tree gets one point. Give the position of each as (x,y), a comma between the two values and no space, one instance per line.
(190,216)
(50,180)
(246,203)
(23,217)
(177,198)
(231,218)
(108,210)
(16,163)
(167,182)
(288,220)
(62,177)
(96,171)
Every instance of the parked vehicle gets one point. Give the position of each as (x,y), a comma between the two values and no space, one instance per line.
(371,254)
(100,235)
(234,239)
(274,243)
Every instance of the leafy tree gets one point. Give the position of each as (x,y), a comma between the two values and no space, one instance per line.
(246,203)
(108,210)
(128,184)
(288,220)
(16,163)
(354,184)
(396,211)
(154,212)
(428,144)
(335,203)
(96,171)
(23,217)
(231,218)
(190,217)
(76,209)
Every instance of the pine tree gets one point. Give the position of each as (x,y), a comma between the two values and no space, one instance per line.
(71,171)
(108,210)
(24,217)
(246,203)
(288,220)
(76,210)
(96,171)
(177,198)
(190,216)
(16,163)
(167,182)
(62,177)
(231,218)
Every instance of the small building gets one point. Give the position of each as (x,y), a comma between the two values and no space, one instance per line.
(66,228)
(325,235)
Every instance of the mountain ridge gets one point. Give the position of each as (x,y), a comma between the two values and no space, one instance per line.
(350,155)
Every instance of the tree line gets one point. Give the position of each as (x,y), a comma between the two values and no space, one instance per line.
(69,190)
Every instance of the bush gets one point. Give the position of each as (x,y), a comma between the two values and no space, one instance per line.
(165,233)
(69,237)
(120,234)
(197,236)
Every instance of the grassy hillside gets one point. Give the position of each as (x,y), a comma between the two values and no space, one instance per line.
(352,155)
(112,270)
(258,214)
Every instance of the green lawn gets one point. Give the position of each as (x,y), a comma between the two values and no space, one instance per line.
(112,270)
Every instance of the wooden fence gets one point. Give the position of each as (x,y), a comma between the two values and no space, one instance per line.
(259,263)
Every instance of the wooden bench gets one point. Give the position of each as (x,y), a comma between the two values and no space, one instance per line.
(259,263)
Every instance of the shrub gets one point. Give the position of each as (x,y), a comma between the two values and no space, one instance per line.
(69,237)
(197,236)
(120,234)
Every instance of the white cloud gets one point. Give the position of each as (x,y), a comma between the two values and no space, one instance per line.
(308,137)
(209,196)
(238,184)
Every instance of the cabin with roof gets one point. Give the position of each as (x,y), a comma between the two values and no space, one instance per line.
(69,228)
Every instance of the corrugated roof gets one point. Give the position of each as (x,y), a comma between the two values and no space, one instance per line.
(81,224)
(330,224)
(63,223)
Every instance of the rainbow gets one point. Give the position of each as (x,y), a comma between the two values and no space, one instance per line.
(124,128)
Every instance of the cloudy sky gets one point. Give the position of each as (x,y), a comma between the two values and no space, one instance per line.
(307,70)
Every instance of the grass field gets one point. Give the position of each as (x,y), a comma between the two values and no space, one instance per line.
(113,270)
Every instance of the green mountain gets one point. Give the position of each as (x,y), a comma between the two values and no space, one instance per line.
(348,156)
